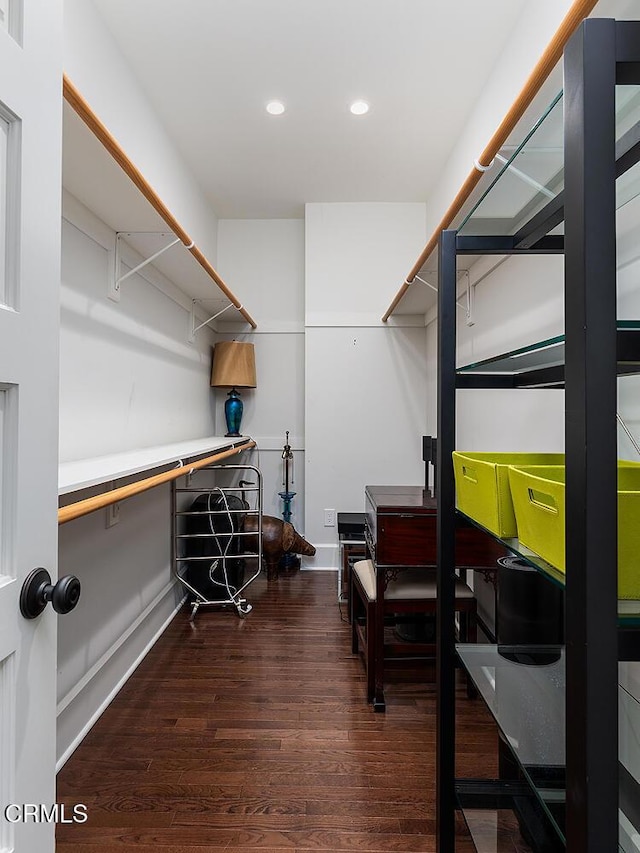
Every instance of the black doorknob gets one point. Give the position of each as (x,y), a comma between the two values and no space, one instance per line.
(37,590)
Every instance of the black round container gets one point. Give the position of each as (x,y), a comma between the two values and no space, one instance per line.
(530,613)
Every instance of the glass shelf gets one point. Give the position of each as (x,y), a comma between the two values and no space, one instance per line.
(499,828)
(628,610)
(527,701)
(549,354)
(629,723)
(530,176)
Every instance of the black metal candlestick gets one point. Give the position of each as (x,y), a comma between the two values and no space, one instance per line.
(287,561)
(287,496)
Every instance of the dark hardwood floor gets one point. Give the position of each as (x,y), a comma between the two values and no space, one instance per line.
(255,734)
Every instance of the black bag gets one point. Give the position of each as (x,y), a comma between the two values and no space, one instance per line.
(208,575)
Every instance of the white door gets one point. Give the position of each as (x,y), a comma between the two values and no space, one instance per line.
(30,188)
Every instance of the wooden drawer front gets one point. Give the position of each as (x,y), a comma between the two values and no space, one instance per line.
(406,540)
(411,540)
(475,548)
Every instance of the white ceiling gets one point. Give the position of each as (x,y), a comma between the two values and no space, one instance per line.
(210,66)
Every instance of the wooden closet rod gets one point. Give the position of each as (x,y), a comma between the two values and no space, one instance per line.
(545,65)
(80,508)
(82,108)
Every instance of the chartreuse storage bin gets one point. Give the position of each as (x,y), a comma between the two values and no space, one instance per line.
(482,486)
(539,501)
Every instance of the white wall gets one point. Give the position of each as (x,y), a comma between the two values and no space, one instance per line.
(128,378)
(333,269)
(128,596)
(365,381)
(265,258)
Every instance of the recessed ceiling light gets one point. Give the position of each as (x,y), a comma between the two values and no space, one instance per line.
(359,108)
(275,108)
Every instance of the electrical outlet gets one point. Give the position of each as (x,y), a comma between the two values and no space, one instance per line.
(329,518)
(113,514)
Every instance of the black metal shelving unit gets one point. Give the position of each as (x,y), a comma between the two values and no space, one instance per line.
(568,798)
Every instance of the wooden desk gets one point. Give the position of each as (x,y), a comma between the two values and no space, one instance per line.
(400,531)
(400,524)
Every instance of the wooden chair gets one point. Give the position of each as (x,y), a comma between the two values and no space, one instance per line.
(413,591)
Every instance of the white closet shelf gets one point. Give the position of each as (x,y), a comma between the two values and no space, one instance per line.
(99,174)
(97,470)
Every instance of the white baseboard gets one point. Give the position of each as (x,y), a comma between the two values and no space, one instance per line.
(326,557)
(318,569)
(102,664)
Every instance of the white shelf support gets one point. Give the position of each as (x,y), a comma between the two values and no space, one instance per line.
(628,432)
(468,308)
(526,178)
(114,292)
(471,290)
(195,328)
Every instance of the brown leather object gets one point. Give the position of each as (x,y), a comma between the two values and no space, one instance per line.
(278,537)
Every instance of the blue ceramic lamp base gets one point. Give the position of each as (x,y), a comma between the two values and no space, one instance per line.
(233,408)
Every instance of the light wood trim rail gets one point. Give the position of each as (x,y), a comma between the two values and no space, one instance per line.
(80,508)
(84,111)
(545,65)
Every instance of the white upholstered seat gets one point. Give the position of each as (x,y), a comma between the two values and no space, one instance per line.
(409,584)
(413,591)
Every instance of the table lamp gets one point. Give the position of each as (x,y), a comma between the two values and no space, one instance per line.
(234,366)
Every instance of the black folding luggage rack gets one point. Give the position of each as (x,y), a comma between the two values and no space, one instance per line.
(213,548)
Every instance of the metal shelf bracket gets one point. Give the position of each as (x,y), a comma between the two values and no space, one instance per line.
(195,328)
(470,292)
(114,288)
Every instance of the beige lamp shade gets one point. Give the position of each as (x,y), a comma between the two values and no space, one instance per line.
(234,365)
